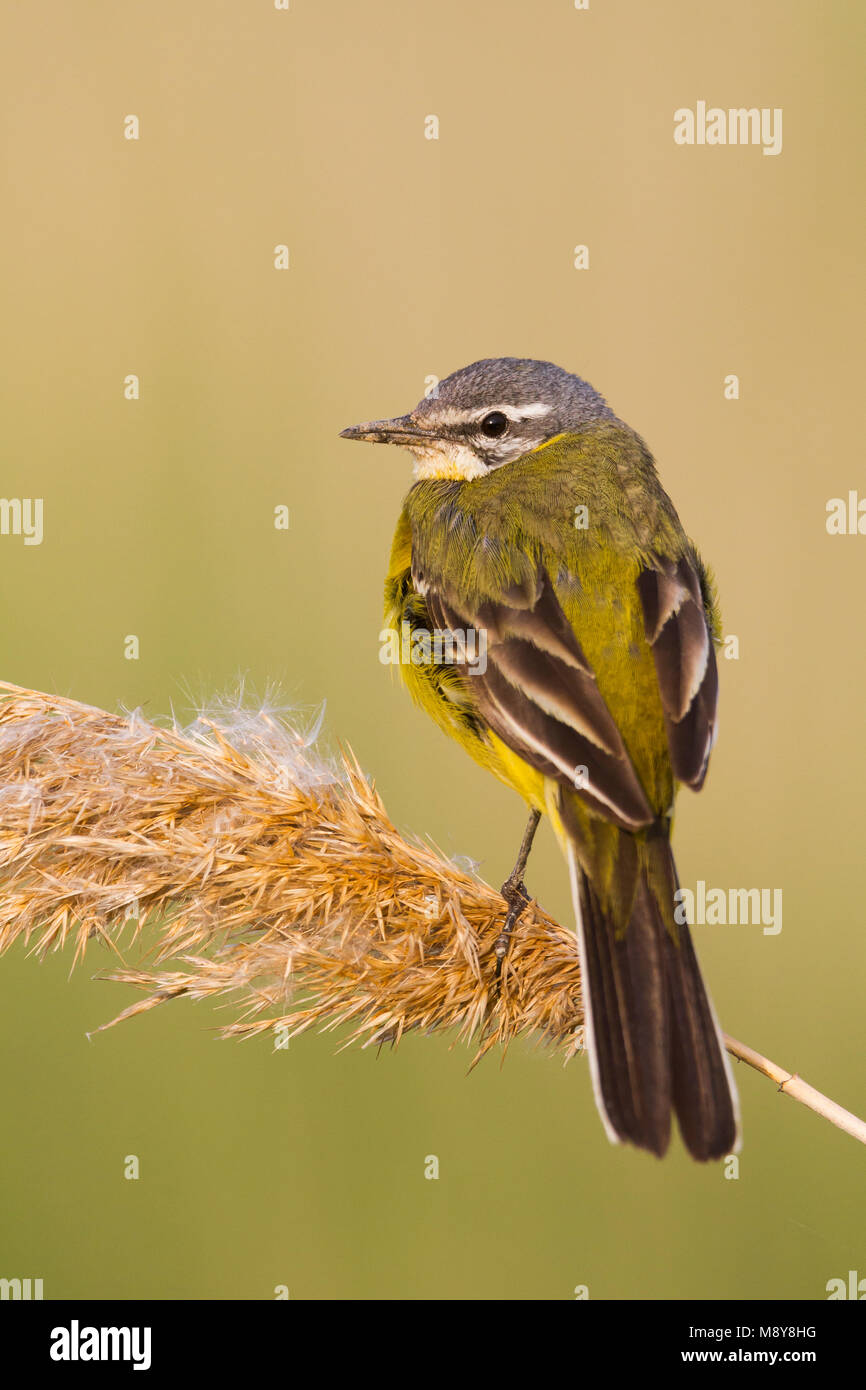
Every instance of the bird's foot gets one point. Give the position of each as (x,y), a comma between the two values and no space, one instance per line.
(517,899)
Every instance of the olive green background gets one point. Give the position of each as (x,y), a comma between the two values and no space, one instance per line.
(412,257)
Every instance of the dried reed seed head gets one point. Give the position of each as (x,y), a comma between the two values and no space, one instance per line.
(273,877)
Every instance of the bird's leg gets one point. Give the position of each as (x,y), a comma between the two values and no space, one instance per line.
(514,892)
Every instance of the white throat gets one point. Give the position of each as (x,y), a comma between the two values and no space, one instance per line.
(448,461)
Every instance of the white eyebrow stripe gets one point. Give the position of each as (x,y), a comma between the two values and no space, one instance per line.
(451,415)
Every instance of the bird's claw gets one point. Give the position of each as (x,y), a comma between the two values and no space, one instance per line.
(515,894)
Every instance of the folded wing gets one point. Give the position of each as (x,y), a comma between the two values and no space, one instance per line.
(538,693)
(675,622)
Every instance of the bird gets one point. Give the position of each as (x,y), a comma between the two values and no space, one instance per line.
(537,531)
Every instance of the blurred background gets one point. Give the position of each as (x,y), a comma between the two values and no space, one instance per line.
(409,258)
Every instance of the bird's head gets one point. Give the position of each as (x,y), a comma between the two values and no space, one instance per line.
(487,415)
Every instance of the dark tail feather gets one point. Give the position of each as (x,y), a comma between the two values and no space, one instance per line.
(653,1040)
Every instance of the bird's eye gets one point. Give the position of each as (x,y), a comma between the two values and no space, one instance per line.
(494,425)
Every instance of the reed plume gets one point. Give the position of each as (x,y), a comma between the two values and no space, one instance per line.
(272,877)
(269,875)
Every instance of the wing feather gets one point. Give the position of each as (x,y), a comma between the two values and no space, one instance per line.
(538,693)
(677,628)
